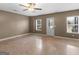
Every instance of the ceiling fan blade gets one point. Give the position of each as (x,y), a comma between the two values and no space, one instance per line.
(25,9)
(37,8)
(22,5)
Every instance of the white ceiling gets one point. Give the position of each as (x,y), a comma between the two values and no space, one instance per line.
(46,8)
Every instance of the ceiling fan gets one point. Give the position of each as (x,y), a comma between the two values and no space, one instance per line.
(30,6)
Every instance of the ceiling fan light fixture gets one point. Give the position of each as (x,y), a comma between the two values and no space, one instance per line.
(31,9)
(30,6)
(27,4)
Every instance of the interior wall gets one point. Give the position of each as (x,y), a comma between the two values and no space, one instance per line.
(13,24)
(60,23)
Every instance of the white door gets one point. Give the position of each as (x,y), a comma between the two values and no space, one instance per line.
(50,26)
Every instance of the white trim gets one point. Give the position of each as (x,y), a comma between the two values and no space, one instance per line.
(13,37)
(47,26)
(65,38)
(3,39)
(71,24)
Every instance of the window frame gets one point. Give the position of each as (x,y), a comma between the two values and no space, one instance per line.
(37,24)
(72,24)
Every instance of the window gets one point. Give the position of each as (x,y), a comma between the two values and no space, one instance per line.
(38,25)
(73,24)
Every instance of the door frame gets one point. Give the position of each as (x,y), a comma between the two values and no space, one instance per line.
(53,26)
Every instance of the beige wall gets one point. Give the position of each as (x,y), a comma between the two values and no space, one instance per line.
(60,22)
(12,24)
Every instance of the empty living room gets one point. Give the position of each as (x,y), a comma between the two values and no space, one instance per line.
(39,28)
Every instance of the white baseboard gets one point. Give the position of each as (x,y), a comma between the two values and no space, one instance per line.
(13,37)
(65,38)
(3,39)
